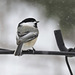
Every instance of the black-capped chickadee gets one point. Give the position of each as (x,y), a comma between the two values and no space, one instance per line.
(27,33)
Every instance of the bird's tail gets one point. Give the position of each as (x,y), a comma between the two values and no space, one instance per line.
(18,51)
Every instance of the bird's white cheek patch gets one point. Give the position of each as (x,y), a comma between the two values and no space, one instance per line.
(28,24)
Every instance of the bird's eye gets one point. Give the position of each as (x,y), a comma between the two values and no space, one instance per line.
(35,25)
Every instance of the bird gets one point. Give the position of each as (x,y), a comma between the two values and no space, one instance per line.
(27,33)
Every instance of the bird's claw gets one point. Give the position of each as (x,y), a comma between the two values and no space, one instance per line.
(33,50)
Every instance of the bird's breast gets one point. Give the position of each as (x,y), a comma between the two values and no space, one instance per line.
(30,43)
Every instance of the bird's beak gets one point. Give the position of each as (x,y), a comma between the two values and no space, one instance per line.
(37,21)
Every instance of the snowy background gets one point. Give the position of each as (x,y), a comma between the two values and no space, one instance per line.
(53,15)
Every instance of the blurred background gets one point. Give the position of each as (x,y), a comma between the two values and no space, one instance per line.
(53,15)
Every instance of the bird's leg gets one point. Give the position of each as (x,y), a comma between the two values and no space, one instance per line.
(33,50)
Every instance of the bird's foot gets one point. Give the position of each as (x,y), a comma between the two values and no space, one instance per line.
(29,50)
(33,50)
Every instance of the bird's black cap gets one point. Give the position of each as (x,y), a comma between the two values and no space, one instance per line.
(28,20)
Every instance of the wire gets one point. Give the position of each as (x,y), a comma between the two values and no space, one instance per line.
(68,65)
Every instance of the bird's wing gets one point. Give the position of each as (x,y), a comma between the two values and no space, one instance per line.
(27,36)
(30,36)
(23,33)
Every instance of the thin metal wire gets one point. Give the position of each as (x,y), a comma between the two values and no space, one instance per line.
(61,53)
(68,65)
